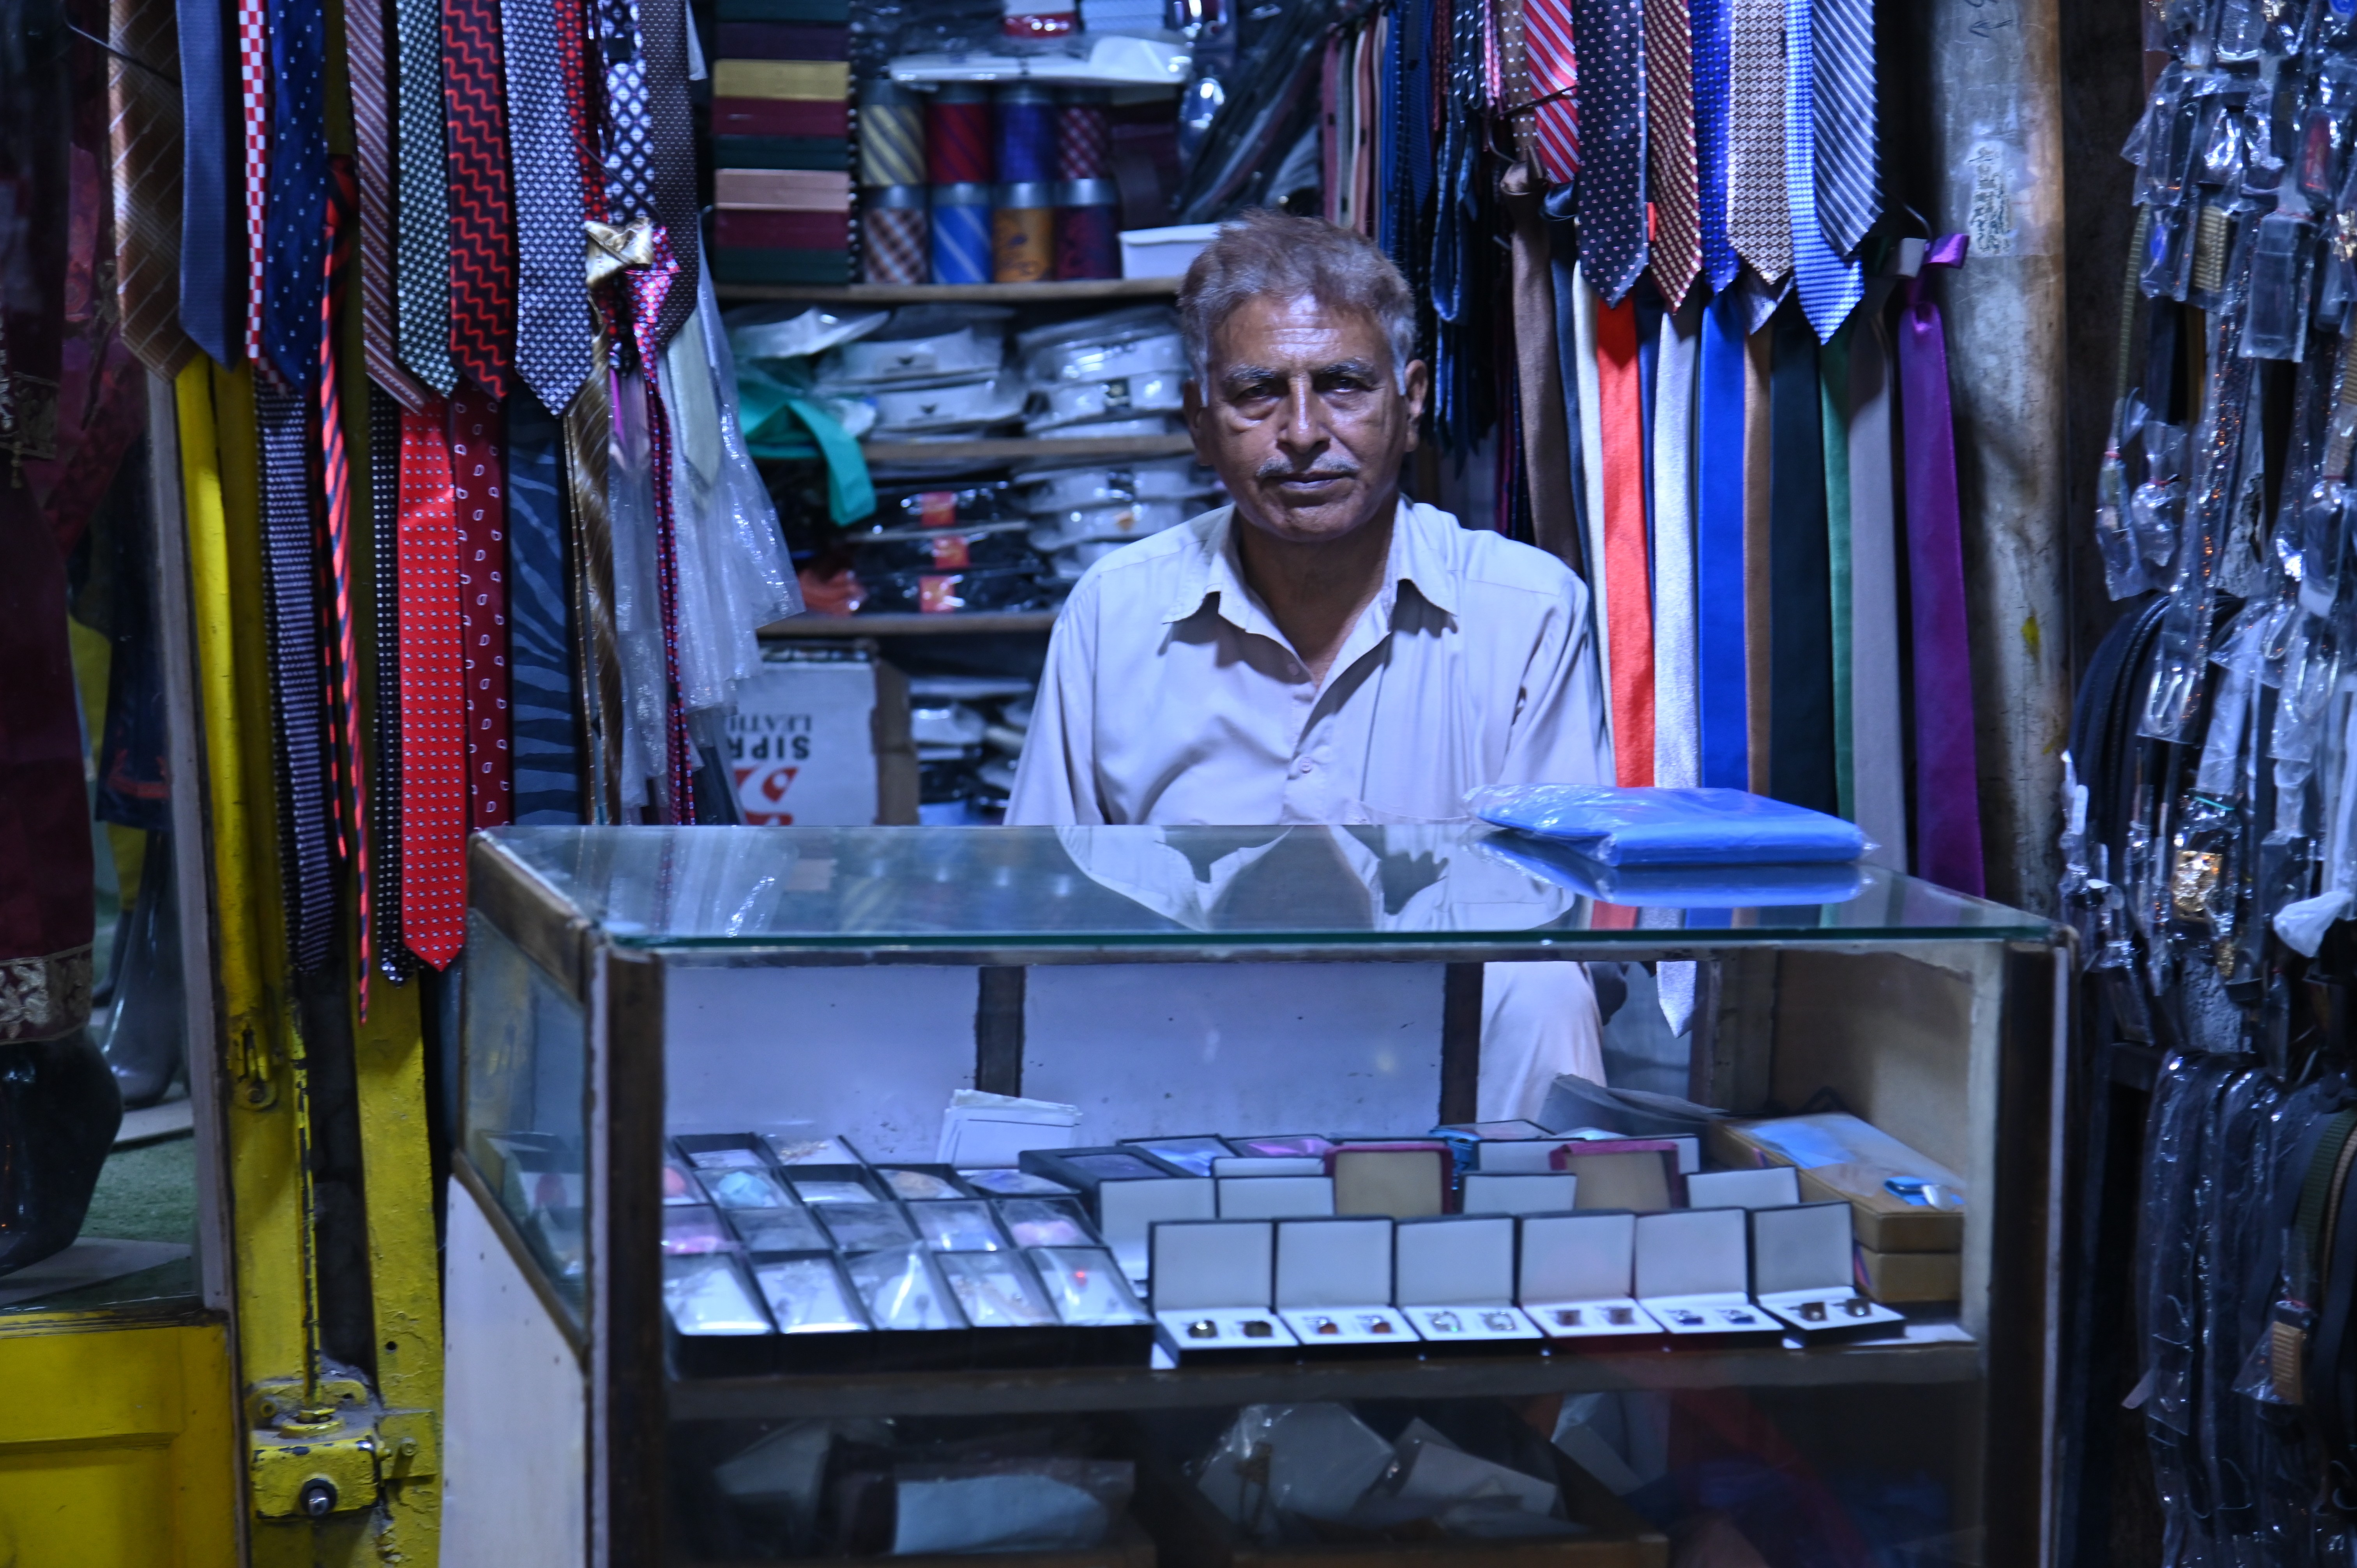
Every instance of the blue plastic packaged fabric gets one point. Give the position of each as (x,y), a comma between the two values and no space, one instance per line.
(1671,827)
(1680,886)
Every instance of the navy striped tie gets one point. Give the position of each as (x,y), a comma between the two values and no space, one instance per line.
(1849,191)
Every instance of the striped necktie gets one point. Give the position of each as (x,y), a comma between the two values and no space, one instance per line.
(552,305)
(1555,85)
(143,134)
(1830,286)
(1611,35)
(1671,176)
(372,139)
(1758,225)
(483,254)
(1708,19)
(422,207)
(1849,194)
(348,757)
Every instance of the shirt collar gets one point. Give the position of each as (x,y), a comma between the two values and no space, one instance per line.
(1211,567)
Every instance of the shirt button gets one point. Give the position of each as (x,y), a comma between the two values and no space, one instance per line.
(1305,766)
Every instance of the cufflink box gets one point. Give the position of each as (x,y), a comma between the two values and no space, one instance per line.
(1493,1132)
(1334,1288)
(819,1185)
(1771,1186)
(776,1233)
(1692,1268)
(1522,1157)
(1453,1279)
(1406,1180)
(1801,1263)
(792,1149)
(1104,1323)
(1268,1165)
(822,1325)
(1192,1152)
(1126,1191)
(919,1325)
(1276,1196)
(1577,1281)
(1213,1286)
(1486,1193)
(1636,1174)
(1004,1303)
(717,1323)
(1277,1145)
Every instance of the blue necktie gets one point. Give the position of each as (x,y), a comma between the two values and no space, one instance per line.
(545,714)
(1611,34)
(1849,197)
(1719,671)
(295,270)
(212,231)
(1830,287)
(1713,83)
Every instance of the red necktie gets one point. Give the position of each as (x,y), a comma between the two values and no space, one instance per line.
(336,481)
(483,218)
(433,757)
(1628,598)
(478,494)
(1555,82)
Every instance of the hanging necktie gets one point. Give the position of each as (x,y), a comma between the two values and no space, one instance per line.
(483,254)
(143,135)
(1830,286)
(1554,521)
(1947,781)
(296,271)
(670,140)
(1849,191)
(433,742)
(1876,653)
(1671,176)
(384,531)
(1720,699)
(1759,594)
(1677,742)
(372,141)
(347,758)
(1586,379)
(212,236)
(1708,20)
(1833,399)
(422,204)
(479,505)
(1758,225)
(1555,86)
(1621,413)
(1801,753)
(1613,153)
(306,816)
(551,304)
(545,719)
(650,290)
(253,113)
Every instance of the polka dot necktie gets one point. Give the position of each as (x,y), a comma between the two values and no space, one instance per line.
(1612,241)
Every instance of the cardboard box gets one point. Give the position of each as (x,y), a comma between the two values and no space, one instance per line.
(1885,1221)
(1911,1276)
(820,738)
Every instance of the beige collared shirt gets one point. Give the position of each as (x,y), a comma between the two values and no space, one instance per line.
(1171,696)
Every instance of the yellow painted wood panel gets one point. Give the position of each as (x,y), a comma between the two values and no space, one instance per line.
(118,1449)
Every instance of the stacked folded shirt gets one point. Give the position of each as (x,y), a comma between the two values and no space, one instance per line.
(780,129)
(930,372)
(1080,515)
(1115,374)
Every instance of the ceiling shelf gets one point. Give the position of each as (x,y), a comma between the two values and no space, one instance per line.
(952,293)
(972,624)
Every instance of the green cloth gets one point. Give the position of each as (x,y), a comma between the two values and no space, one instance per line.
(1832,384)
(770,403)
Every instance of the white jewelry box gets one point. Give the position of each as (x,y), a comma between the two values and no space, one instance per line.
(1276,1196)
(1515,1157)
(1213,1283)
(1334,1287)
(1800,1270)
(1692,1265)
(1267,1165)
(1488,1193)
(1576,1281)
(1453,1276)
(1128,1210)
(1771,1186)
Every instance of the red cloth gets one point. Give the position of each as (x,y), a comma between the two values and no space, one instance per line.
(778,117)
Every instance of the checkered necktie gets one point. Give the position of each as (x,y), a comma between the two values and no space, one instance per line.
(253,114)
(1670,171)
(1757,223)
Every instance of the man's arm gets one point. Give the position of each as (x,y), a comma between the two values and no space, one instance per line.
(1559,735)
(1055,782)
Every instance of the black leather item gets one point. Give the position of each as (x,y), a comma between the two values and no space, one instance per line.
(58,1113)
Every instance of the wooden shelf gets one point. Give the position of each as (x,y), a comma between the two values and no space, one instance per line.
(952,293)
(972,624)
(1124,1387)
(1023,449)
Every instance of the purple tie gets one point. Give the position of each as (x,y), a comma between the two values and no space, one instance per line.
(1947,802)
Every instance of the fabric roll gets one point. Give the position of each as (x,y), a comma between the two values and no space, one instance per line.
(961,222)
(1758,591)
(1801,753)
(1083,134)
(1877,654)
(1629,625)
(1947,778)
(1023,121)
(786,40)
(1832,401)
(546,717)
(957,137)
(892,247)
(1677,738)
(1088,231)
(1721,700)
(891,135)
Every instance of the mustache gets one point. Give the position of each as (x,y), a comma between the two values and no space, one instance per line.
(1278,468)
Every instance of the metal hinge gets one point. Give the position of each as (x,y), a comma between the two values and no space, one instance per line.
(334,1455)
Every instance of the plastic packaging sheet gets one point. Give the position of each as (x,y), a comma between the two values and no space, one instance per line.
(1010,1504)
(1671,827)
(1681,886)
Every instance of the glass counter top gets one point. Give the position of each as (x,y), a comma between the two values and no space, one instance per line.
(1146,887)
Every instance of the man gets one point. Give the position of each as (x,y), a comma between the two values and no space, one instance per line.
(1322,649)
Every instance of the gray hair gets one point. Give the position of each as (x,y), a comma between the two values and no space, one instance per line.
(1267,254)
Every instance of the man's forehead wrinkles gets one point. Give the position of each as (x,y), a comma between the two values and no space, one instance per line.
(1239,374)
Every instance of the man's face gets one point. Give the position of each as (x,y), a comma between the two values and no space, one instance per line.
(1302,419)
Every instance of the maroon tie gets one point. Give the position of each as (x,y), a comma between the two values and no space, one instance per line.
(482,217)
(478,492)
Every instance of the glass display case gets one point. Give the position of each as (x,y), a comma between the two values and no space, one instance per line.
(1116,1195)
